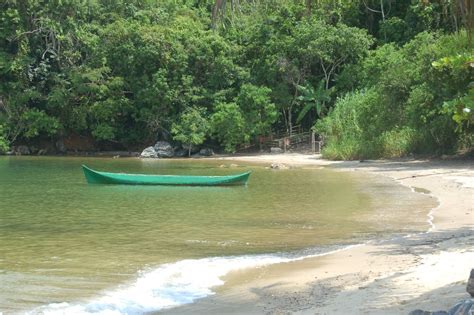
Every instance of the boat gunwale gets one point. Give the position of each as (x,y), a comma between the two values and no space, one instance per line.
(155,175)
(98,177)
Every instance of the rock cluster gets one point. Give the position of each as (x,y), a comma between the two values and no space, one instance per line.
(22,150)
(163,149)
(470,284)
(206,152)
(149,153)
(26,150)
(464,307)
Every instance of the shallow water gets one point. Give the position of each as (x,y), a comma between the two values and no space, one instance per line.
(128,248)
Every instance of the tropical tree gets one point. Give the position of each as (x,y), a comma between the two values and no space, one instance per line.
(313,99)
(258,109)
(122,72)
(191,129)
(461,107)
(228,126)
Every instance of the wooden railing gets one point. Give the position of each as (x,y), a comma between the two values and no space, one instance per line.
(285,133)
(285,141)
(288,142)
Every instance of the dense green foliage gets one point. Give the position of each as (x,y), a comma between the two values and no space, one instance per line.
(191,129)
(406,101)
(3,141)
(378,78)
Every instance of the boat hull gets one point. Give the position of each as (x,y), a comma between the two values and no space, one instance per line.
(96,177)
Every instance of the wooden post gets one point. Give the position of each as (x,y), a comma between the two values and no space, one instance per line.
(313,144)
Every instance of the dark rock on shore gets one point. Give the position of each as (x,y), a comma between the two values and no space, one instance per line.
(421,312)
(164,149)
(206,152)
(180,153)
(465,307)
(149,153)
(470,284)
(22,150)
(60,146)
(194,149)
(33,149)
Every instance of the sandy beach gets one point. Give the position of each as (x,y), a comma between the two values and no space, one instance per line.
(425,271)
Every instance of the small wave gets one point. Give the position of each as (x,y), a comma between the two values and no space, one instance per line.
(173,284)
(225,243)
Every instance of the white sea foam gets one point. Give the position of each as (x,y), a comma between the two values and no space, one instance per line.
(171,285)
(182,282)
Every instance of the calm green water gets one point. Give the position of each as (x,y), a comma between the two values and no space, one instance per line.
(62,240)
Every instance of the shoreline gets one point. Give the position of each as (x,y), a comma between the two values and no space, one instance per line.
(427,270)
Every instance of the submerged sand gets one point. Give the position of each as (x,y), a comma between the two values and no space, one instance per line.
(422,271)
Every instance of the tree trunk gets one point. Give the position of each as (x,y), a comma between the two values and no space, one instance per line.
(290,124)
(309,7)
(283,110)
(216,10)
(466,10)
(189,150)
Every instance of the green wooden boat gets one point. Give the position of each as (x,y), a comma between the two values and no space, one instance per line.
(96,177)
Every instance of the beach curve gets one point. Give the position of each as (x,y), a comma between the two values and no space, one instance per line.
(426,270)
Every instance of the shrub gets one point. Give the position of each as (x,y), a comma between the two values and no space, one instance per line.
(228,126)
(398,142)
(3,141)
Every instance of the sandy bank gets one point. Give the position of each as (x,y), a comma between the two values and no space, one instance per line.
(427,270)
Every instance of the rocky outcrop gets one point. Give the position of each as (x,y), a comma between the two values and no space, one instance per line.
(149,153)
(164,149)
(33,149)
(464,307)
(206,152)
(60,146)
(470,284)
(42,151)
(194,149)
(22,150)
(421,312)
(180,152)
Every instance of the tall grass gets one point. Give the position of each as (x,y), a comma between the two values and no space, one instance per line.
(398,108)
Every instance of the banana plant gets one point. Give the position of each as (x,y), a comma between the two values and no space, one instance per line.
(313,99)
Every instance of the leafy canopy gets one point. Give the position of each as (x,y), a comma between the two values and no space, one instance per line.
(192,127)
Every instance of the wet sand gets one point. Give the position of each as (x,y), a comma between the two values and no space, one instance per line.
(423,271)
